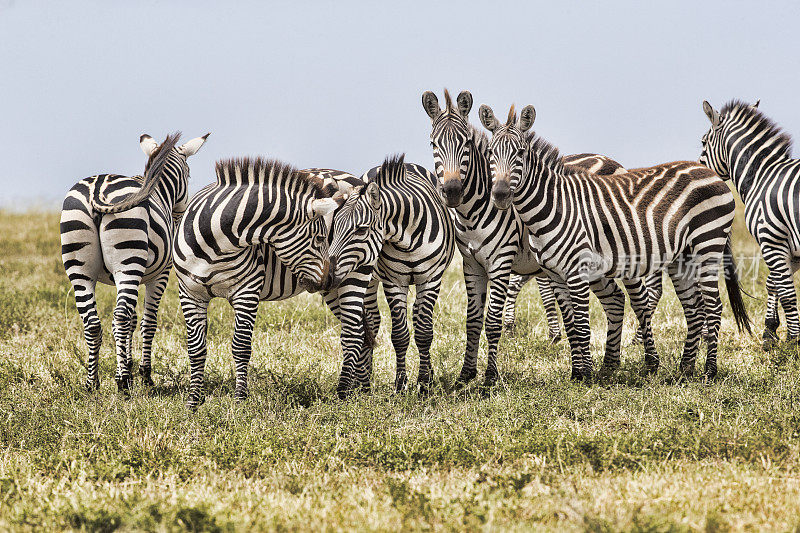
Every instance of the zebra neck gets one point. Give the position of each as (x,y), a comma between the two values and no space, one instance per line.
(536,196)
(262,216)
(169,185)
(477,194)
(749,161)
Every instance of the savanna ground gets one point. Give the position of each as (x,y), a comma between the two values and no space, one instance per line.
(636,453)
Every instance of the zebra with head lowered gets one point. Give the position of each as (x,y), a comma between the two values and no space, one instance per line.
(394,230)
(493,242)
(259,233)
(587,228)
(745,146)
(119,230)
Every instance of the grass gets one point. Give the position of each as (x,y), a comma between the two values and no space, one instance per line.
(635,453)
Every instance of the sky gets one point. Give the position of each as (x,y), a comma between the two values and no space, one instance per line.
(339,84)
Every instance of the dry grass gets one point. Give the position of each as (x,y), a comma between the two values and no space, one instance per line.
(541,453)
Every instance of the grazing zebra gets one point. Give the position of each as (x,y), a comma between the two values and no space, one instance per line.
(119,230)
(747,147)
(493,242)
(397,226)
(247,238)
(587,228)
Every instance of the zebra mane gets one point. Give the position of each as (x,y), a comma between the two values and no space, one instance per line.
(479,139)
(392,169)
(261,170)
(778,138)
(544,152)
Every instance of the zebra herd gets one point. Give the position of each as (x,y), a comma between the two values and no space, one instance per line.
(515,208)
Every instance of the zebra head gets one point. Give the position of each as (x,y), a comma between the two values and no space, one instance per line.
(451,140)
(714,154)
(358,227)
(175,180)
(507,151)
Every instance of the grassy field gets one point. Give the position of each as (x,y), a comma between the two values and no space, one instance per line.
(639,454)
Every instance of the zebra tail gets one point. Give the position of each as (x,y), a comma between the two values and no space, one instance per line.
(734,291)
(152,175)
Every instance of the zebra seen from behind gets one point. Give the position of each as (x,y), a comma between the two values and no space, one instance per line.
(748,148)
(248,238)
(395,230)
(586,228)
(119,230)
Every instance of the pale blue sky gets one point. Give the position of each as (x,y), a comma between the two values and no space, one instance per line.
(338,84)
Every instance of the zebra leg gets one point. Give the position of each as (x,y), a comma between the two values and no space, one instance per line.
(643,303)
(427,294)
(475,279)
(685,283)
(549,303)
(92,331)
(578,331)
(780,277)
(494,327)
(245,309)
(772,319)
(515,284)
(397,297)
(153,290)
(372,320)
(195,314)
(712,315)
(613,300)
(350,303)
(124,318)
(653,286)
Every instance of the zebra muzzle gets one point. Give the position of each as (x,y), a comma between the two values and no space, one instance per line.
(501,195)
(452,191)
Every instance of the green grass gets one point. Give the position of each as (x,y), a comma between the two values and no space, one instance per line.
(634,453)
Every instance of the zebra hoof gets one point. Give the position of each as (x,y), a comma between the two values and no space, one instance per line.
(425,383)
(770,339)
(490,380)
(124,384)
(581,375)
(240,397)
(92,384)
(465,377)
(710,374)
(400,382)
(145,372)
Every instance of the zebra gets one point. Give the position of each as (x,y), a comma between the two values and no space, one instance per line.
(253,236)
(596,164)
(586,228)
(396,230)
(119,230)
(745,146)
(492,241)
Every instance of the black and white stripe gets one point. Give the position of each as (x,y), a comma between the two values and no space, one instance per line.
(587,229)
(395,230)
(259,233)
(119,230)
(493,242)
(751,150)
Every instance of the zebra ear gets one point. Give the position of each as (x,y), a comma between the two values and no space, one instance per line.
(431,104)
(755,106)
(487,117)
(191,147)
(148,144)
(464,101)
(711,113)
(526,117)
(373,195)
